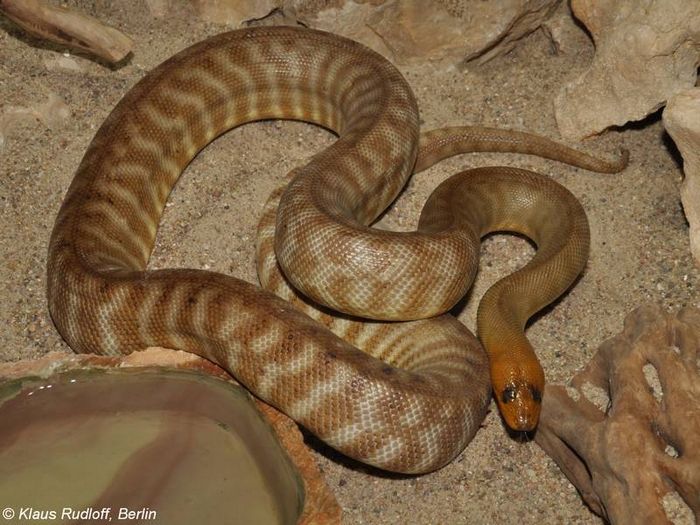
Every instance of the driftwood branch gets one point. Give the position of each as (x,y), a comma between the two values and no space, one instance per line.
(70,28)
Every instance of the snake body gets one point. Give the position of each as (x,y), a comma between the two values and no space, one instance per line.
(416,400)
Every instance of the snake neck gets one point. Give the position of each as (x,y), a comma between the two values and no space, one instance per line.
(506,199)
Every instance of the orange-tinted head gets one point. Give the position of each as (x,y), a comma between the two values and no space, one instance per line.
(518,389)
(520,405)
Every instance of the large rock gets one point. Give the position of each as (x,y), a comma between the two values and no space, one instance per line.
(411,31)
(682,121)
(626,431)
(646,52)
(405,31)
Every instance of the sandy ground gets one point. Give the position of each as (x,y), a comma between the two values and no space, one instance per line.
(639,236)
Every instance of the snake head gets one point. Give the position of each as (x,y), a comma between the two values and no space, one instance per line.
(517,379)
(520,405)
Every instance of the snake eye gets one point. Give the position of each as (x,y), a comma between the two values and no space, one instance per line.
(535,393)
(509,394)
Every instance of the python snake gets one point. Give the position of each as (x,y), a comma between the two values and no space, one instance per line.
(415,402)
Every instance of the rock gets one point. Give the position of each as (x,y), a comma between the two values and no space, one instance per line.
(682,121)
(53,113)
(414,31)
(233,12)
(626,431)
(644,55)
(563,32)
(504,23)
(63,63)
(279,16)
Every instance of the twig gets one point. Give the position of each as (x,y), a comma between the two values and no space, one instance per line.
(70,28)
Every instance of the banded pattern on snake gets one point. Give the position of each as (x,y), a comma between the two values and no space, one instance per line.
(415,402)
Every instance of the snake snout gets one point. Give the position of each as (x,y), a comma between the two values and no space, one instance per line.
(525,422)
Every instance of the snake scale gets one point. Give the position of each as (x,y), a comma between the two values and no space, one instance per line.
(414,395)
